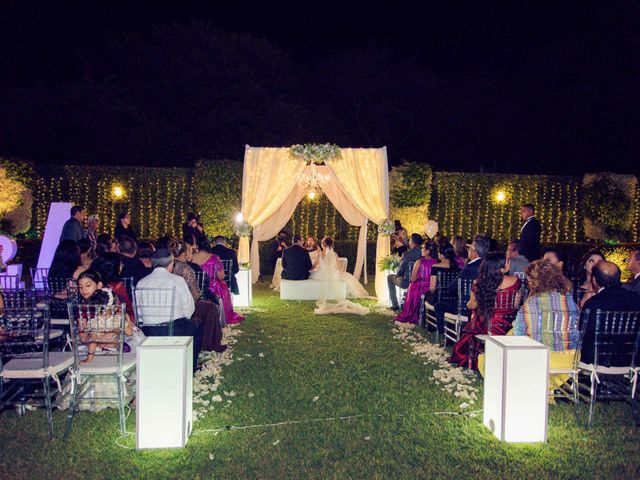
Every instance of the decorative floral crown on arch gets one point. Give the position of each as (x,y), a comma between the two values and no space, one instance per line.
(315,153)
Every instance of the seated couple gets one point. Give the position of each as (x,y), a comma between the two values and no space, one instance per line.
(296,264)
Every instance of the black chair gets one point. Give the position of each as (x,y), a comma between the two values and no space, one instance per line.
(453,322)
(612,375)
(442,294)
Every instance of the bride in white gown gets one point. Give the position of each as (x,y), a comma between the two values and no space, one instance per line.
(325,268)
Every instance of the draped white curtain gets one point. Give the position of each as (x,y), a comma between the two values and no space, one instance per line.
(358,187)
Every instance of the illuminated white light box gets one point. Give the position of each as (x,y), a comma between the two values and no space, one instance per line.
(245,297)
(59,212)
(164,409)
(515,388)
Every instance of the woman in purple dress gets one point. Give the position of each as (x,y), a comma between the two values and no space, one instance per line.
(420,281)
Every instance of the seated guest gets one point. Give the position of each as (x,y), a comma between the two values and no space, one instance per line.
(446,263)
(609,296)
(419,285)
(634,267)
(517,263)
(202,252)
(310,245)
(493,304)
(93,223)
(225,253)
(212,265)
(398,245)
(548,295)
(557,259)
(85,252)
(477,250)
(123,227)
(132,267)
(183,308)
(67,262)
(109,266)
(145,251)
(585,290)
(403,277)
(190,227)
(296,262)
(460,247)
(73,228)
(179,251)
(104,243)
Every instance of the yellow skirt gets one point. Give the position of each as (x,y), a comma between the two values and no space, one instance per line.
(556,360)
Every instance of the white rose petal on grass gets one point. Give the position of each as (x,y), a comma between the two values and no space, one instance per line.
(332,362)
(230,394)
(228,401)
(276,442)
(464,405)
(216,398)
(315,399)
(261,355)
(251,394)
(367,438)
(211,456)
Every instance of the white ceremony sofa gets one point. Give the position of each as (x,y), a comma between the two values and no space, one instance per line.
(309,290)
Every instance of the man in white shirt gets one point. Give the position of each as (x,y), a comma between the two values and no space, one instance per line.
(156,321)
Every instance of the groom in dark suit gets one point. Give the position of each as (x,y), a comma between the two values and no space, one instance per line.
(529,233)
(296,262)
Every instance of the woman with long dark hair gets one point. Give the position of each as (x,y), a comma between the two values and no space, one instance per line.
(494,302)
(585,291)
(447,263)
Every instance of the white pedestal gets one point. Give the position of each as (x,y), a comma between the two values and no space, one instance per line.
(515,388)
(164,413)
(244,298)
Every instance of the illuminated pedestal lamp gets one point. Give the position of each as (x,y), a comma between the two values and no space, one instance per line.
(164,375)
(515,388)
(244,298)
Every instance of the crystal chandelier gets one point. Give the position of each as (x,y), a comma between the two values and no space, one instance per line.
(312,181)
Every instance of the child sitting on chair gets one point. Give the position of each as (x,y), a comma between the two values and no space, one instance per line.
(104,328)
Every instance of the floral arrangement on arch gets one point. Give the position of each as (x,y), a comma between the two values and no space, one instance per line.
(390,262)
(242,229)
(386,228)
(316,153)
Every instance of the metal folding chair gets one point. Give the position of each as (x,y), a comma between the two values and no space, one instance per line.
(129,285)
(155,306)
(58,291)
(102,329)
(202,278)
(9,282)
(39,280)
(26,362)
(403,291)
(613,373)
(227,265)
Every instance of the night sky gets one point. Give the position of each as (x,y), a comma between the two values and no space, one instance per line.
(535,87)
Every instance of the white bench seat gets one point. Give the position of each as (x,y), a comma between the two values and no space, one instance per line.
(310,290)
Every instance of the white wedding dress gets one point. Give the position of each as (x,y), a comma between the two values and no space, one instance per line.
(327,271)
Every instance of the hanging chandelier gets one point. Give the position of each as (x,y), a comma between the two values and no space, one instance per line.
(312,181)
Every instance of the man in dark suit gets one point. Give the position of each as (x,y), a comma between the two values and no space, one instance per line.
(605,279)
(296,262)
(477,251)
(72,228)
(529,233)
(403,276)
(225,253)
(132,267)
(634,267)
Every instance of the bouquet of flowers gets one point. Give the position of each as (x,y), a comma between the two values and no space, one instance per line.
(386,228)
(316,153)
(242,229)
(391,263)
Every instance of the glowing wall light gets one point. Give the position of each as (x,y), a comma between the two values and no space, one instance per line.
(117,192)
(164,376)
(515,388)
(500,196)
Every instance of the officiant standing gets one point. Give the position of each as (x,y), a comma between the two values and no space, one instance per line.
(296,262)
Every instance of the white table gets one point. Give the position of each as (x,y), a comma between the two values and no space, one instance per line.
(277,274)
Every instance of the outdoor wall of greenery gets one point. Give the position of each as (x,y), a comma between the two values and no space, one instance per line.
(602,206)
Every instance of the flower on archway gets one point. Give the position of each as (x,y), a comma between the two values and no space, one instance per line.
(315,153)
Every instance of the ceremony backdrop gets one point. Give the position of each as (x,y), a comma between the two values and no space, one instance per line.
(461,203)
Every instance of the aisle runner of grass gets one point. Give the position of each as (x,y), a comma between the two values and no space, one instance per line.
(290,365)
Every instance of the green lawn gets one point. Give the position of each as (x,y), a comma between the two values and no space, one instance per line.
(372,374)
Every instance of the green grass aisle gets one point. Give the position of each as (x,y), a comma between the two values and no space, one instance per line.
(320,367)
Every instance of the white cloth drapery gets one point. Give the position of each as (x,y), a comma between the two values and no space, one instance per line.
(358,187)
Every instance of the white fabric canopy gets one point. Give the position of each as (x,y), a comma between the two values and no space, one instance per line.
(358,187)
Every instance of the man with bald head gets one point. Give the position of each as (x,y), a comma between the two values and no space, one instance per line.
(610,297)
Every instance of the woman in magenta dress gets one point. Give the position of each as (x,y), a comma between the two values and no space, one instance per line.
(420,281)
(212,265)
(495,298)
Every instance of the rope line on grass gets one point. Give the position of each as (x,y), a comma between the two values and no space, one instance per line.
(229,428)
